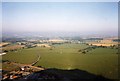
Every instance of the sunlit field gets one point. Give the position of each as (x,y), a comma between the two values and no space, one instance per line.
(100,61)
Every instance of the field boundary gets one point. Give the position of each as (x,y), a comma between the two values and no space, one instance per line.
(36,61)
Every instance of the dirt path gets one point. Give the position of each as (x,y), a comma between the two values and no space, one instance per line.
(30,65)
(33,67)
(36,61)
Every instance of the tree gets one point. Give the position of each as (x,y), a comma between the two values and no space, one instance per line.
(79,50)
(84,52)
(5,50)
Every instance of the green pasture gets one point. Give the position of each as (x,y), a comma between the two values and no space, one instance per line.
(100,61)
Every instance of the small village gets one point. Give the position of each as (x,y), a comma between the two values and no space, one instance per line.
(22,71)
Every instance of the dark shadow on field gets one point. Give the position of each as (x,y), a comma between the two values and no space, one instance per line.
(63,75)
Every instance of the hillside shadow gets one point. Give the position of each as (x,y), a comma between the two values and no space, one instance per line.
(63,75)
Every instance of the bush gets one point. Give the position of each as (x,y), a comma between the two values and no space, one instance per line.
(84,52)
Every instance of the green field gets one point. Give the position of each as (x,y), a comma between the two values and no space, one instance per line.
(101,61)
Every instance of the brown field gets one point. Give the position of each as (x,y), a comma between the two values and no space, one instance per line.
(3,44)
(13,47)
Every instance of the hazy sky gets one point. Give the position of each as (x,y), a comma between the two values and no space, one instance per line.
(60,16)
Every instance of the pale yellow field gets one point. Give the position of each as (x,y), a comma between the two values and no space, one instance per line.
(105,42)
(45,45)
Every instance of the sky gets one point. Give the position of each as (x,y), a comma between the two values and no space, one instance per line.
(60,16)
(60,0)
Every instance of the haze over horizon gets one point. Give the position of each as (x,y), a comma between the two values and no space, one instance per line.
(83,17)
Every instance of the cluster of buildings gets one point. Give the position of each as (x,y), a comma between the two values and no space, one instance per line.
(21,73)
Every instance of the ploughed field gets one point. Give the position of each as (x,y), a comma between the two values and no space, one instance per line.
(100,61)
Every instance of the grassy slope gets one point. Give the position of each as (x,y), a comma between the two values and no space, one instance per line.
(26,56)
(101,61)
